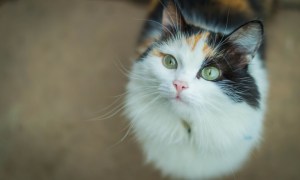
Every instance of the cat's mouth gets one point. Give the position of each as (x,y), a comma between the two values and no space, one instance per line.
(179,99)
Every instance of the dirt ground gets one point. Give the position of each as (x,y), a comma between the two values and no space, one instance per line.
(60,65)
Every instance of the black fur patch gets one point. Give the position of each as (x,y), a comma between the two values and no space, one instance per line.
(211,13)
(153,23)
(188,30)
(235,81)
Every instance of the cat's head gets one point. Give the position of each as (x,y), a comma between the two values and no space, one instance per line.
(193,67)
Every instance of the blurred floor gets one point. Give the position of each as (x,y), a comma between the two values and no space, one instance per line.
(59,65)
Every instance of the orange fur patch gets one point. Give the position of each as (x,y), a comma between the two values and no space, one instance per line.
(208,51)
(193,40)
(157,53)
(190,41)
(197,38)
(238,5)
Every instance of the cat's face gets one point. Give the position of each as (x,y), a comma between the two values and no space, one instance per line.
(204,65)
(178,65)
(192,68)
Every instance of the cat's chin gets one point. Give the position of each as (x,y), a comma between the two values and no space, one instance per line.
(181,107)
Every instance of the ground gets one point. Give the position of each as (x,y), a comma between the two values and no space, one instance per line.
(60,64)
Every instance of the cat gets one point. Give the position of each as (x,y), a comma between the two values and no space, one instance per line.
(197,93)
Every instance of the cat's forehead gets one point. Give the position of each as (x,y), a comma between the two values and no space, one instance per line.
(186,47)
(199,43)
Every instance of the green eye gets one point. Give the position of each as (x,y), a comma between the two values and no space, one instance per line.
(210,73)
(169,62)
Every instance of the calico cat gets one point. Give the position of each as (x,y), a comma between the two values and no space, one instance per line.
(197,93)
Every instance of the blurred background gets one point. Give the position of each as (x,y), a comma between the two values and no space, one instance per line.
(60,64)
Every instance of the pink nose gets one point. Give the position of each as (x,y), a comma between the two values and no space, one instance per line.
(180,85)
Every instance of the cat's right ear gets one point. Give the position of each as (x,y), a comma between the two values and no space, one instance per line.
(172,19)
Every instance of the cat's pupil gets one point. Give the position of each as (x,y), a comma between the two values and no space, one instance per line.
(209,72)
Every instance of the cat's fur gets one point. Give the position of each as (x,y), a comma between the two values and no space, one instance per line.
(211,131)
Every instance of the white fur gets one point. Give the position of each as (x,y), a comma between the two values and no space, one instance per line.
(223,132)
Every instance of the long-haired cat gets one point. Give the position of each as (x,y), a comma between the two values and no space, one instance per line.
(197,93)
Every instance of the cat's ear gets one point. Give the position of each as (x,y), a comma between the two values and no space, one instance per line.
(172,18)
(248,37)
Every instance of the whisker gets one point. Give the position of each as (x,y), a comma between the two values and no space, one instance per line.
(131,75)
(123,138)
(119,108)
(150,103)
(109,106)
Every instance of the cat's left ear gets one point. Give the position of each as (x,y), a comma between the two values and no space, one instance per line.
(248,37)
(172,18)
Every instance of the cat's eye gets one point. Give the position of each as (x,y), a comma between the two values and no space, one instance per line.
(170,62)
(210,73)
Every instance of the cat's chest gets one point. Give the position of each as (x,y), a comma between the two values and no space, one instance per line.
(211,131)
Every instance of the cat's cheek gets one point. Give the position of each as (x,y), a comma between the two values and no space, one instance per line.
(164,75)
(203,90)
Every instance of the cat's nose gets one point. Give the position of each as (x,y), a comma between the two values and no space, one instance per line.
(180,85)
